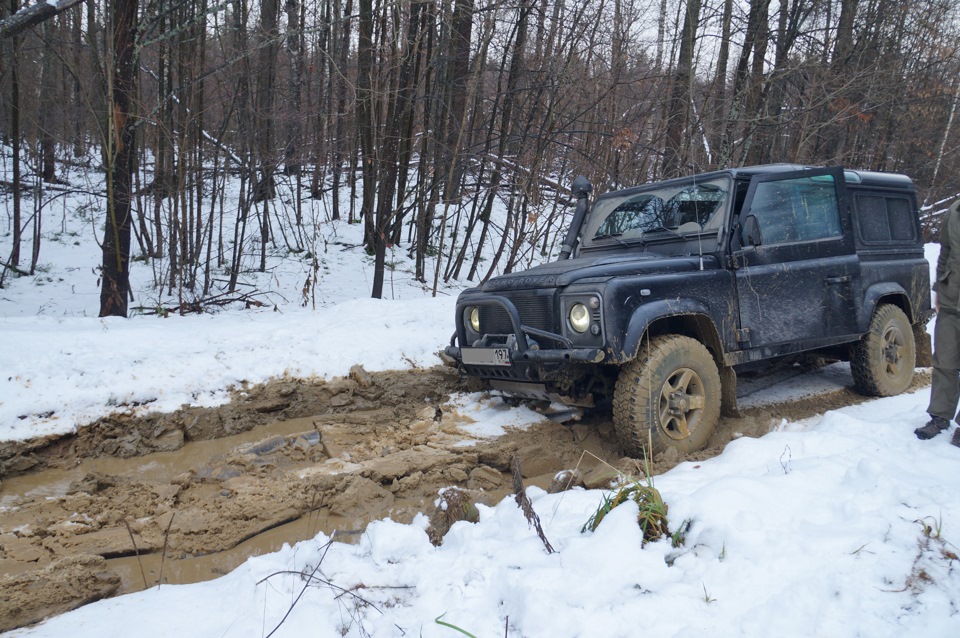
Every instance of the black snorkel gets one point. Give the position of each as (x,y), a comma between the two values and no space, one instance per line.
(581,189)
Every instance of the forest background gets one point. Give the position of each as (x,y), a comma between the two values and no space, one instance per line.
(214,124)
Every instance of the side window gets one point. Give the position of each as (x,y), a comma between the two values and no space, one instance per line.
(884,219)
(795,210)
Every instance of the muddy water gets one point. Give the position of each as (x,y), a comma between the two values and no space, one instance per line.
(200,457)
(139,572)
(278,465)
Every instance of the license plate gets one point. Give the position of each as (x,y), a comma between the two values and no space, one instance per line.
(486,356)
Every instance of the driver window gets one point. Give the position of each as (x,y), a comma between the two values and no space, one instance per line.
(796,210)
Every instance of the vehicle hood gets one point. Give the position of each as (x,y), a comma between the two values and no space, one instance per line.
(563,273)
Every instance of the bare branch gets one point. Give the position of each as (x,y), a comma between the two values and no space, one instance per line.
(33,15)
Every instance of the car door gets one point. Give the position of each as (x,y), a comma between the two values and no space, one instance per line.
(798,279)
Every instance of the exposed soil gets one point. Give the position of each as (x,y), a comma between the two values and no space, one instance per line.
(135,501)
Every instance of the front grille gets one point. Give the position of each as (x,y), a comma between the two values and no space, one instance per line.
(535,311)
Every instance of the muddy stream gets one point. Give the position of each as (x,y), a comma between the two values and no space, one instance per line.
(133,501)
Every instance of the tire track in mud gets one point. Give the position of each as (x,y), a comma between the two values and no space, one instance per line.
(137,499)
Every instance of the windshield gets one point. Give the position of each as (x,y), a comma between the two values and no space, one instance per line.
(658,212)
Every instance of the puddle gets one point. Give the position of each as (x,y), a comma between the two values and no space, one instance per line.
(200,457)
(154,568)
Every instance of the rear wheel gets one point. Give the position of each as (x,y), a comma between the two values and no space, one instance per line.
(882,362)
(669,396)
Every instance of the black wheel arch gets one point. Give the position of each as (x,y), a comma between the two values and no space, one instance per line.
(885,293)
(688,318)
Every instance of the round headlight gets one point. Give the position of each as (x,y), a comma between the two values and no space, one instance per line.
(475,319)
(579,317)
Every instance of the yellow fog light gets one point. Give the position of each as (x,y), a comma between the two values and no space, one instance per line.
(475,319)
(579,317)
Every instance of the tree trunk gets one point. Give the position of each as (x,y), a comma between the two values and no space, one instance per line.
(506,121)
(15,139)
(266,91)
(397,113)
(48,159)
(740,80)
(340,137)
(677,138)
(365,119)
(755,91)
(292,154)
(718,99)
(661,34)
(459,77)
(115,288)
(77,109)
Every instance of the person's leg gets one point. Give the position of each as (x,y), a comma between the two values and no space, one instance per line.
(945,388)
(945,385)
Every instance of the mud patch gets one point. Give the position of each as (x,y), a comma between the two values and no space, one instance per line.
(61,586)
(137,501)
(131,433)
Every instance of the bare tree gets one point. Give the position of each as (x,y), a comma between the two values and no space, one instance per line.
(115,273)
(678,106)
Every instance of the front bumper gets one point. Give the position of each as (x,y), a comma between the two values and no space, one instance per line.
(521,350)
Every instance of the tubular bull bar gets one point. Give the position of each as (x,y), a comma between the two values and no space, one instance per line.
(520,350)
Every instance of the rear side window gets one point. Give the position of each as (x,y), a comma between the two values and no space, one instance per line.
(795,210)
(883,219)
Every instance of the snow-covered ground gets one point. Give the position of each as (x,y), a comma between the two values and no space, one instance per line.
(840,525)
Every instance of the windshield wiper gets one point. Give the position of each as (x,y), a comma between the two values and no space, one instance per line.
(614,236)
(662,229)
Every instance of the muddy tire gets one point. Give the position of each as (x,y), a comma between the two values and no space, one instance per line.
(882,362)
(669,396)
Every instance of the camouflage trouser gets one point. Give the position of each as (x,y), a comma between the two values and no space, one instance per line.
(945,391)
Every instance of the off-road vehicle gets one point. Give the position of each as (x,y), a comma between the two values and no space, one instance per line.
(662,292)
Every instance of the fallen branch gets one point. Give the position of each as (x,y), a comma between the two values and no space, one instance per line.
(525,505)
(9,266)
(200,306)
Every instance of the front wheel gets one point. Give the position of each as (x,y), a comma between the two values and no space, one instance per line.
(669,396)
(882,362)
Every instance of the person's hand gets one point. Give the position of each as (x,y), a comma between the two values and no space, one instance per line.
(936,302)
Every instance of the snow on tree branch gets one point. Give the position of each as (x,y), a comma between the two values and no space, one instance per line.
(33,15)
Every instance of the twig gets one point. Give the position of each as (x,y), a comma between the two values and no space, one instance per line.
(313,578)
(786,453)
(525,505)
(304,590)
(137,553)
(163,554)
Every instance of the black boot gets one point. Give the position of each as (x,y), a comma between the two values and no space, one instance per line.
(934,426)
(956,438)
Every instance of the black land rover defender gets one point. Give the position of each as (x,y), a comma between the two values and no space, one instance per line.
(662,292)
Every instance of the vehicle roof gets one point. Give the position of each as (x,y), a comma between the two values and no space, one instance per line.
(853,178)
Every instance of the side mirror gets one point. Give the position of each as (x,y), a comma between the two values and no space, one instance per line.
(751,231)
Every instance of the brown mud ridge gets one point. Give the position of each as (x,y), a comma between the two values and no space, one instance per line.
(134,501)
